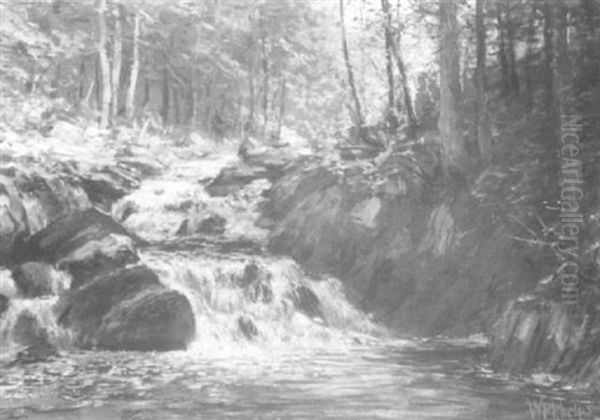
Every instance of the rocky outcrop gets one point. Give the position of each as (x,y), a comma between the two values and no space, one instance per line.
(418,251)
(30,200)
(85,243)
(128,309)
(536,333)
(259,160)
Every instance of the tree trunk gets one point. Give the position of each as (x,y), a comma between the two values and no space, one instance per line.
(452,145)
(357,117)
(529,58)
(146,99)
(483,132)
(549,56)
(176,105)
(563,65)
(104,65)
(135,69)
(406,96)
(392,121)
(165,98)
(502,55)
(513,76)
(265,70)
(82,80)
(116,62)
(281,106)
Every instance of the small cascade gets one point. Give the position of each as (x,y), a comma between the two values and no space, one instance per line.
(248,302)
(29,320)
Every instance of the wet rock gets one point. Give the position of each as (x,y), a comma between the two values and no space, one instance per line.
(256,284)
(212,225)
(28,330)
(4,303)
(307,302)
(107,184)
(32,199)
(247,327)
(85,243)
(144,165)
(251,273)
(34,279)
(36,353)
(233,179)
(158,320)
(128,309)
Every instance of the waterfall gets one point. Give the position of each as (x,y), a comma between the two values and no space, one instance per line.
(238,293)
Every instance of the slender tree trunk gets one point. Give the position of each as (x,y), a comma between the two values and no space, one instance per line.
(563,65)
(146,99)
(452,145)
(483,134)
(502,56)
(549,56)
(98,84)
(82,80)
(116,63)
(357,117)
(265,70)
(176,106)
(249,125)
(135,69)
(281,105)
(529,57)
(392,120)
(513,76)
(104,65)
(165,98)
(408,106)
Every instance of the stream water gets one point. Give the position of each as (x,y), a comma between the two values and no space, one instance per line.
(256,355)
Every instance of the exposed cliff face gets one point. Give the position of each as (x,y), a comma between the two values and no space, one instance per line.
(423,261)
(428,257)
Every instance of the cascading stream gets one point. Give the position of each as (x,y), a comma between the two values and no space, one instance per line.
(259,302)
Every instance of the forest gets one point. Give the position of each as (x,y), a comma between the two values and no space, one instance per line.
(257,196)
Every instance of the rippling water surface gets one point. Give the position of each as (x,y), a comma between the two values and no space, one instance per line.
(393,380)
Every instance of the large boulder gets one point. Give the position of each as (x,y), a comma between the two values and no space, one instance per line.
(29,332)
(34,279)
(128,309)
(30,200)
(85,243)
